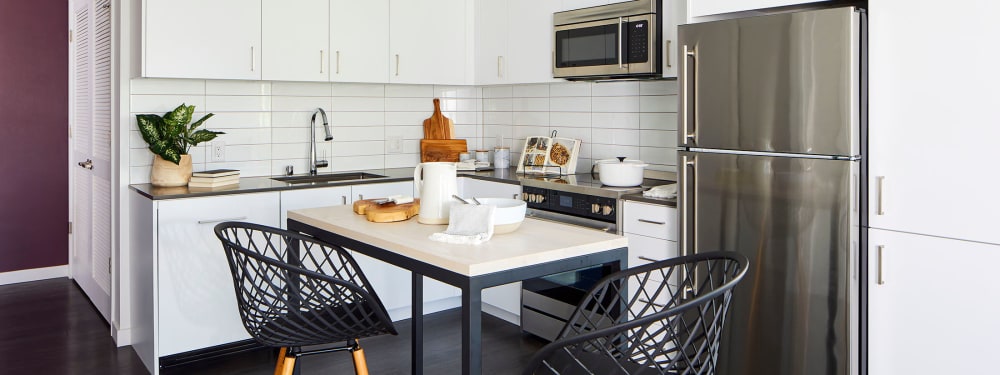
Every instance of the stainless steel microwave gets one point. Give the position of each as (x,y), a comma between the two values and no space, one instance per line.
(620,40)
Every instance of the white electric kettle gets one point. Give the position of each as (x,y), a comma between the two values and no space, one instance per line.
(435,187)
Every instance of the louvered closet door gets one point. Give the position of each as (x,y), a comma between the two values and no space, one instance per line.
(91,141)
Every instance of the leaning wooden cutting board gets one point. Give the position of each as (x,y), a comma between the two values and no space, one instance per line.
(441,149)
(388,212)
(438,126)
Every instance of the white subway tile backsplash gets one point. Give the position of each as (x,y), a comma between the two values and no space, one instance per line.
(627,88)
(230,103)
(301,89)
(227,87)
(140,86)
(267,123)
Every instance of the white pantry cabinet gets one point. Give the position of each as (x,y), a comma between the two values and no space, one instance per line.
(201,39)
(359,41)
(699,8)
(429,41)
(507,297)
(514,41)
(932,305)
(295,40)
(932,146)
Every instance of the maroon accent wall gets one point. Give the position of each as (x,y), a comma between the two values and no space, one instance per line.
(34,92)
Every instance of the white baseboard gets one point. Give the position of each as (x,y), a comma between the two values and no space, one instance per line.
(34,274)
(122,337)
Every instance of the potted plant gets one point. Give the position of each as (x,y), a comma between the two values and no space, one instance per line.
(170,137)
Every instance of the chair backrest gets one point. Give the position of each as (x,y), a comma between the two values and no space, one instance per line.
(294,290)
(662,317)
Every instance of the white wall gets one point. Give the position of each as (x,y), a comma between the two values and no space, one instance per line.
(267,123)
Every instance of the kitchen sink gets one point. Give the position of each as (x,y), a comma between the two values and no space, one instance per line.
(328,178)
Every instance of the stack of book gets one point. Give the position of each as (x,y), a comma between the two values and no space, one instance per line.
(214,178)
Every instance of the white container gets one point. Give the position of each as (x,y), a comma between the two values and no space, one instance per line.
(435,186)
(508,215)
(620,171)
(501,157)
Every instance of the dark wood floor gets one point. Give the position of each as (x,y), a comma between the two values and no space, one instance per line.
(50,327)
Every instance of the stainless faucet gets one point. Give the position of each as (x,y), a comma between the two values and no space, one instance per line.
(313,163)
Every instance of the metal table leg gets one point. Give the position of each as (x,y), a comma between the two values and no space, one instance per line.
(472,328)
(417,319)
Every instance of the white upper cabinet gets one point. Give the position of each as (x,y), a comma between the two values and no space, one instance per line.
(932,142)
(699,8)
(514,41)
(295,40)
(429,42)
(359,41)
(491,41)
(202,39)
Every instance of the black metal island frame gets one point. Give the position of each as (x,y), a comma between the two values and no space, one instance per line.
(536,249)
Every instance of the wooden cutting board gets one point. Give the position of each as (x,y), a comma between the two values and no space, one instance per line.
(386,213)
(441,149)
(438,126)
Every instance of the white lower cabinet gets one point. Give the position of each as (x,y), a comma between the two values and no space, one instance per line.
(932,304)
(309,198)
(503,301)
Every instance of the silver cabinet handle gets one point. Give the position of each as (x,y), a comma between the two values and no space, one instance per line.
(621,43)
(221,220)
(499,66)
(880,253)
(343,199)
(652,222)
(648,259)
(397,64)
(321,61)
(667,52)
(880,203)
(253,60)
(89,164)
(338,62)
(361,196)
(685,97)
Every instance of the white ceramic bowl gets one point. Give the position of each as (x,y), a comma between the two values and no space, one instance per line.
(614,172)
(508,215)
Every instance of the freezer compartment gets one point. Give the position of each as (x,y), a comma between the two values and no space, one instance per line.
(786,83)
(796,219)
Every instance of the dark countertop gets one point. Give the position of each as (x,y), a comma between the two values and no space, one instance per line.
(266,184)
(669,202)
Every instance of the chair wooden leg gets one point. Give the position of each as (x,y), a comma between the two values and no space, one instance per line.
(289,366)
(360,365)
(278,367)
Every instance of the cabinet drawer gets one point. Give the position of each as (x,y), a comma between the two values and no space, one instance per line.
(644,250)
(650,220)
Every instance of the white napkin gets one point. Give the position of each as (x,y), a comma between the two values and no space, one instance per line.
(468,224)
(662,191)
(468,165)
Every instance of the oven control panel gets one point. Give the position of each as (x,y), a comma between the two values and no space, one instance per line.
(600,208)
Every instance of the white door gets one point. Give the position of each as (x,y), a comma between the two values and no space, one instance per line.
(295,40)
(932,305)
(90,257)
(491,41)
(428,40)
(359,41)
(201,39)
(529,50)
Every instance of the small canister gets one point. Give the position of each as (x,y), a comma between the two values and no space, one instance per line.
(501,157)
(463,156)
(483,156)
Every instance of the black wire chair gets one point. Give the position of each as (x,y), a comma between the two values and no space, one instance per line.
(295,291)
(660,318)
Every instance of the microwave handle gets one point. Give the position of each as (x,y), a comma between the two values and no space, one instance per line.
(621,43)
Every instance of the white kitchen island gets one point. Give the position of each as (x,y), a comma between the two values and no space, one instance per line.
(537,248)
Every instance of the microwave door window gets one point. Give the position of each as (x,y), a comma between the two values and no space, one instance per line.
(590,46)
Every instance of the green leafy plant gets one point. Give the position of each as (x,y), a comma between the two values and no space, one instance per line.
(170,136)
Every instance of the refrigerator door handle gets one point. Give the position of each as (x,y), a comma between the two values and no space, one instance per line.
(686,86)
(688,219)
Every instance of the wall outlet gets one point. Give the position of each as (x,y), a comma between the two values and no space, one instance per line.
(218,151)
(395,143)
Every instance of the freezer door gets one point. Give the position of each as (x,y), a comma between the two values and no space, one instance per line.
(784,83)
(796,221)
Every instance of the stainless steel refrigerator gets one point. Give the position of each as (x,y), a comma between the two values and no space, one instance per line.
(771,137)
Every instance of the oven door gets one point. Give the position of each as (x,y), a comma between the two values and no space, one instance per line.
(602,226)
(607,48)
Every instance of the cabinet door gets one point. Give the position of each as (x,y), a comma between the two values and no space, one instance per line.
(698,8)
(491,41)
(196,302)
(202,39)
(359,41)
(530,48)
(932,305)
(429,41)
(674,13)
(295,40)
(931,168)
(309,198)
